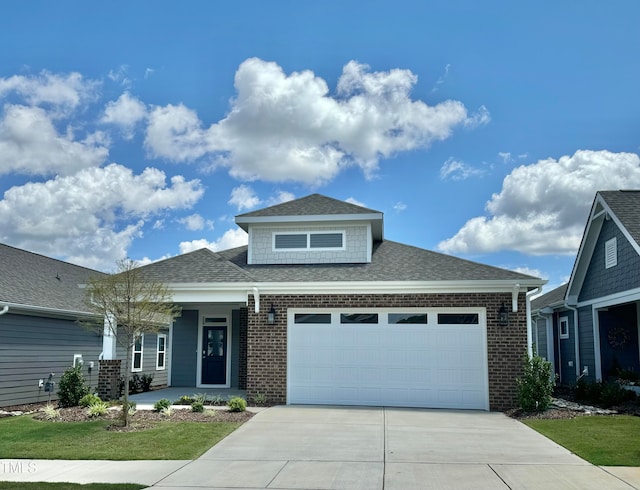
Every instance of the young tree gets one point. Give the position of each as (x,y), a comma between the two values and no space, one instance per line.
(130,306)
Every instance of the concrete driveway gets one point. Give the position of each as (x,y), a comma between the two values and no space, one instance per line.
(304,447)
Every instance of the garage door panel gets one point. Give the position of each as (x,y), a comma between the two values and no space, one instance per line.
(439,366)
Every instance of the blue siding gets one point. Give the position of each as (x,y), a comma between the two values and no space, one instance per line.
(587,345)
(31,347)
(185,349)
(541,341)
(567,348)
(626,275)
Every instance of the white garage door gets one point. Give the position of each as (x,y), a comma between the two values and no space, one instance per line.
(405,358)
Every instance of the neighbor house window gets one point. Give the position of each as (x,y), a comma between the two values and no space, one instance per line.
(161,352)
(564,327)
(611,253)
(136,361)
(321,240)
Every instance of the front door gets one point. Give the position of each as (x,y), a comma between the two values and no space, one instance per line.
(214,355)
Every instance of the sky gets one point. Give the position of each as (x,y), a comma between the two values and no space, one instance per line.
(480,129)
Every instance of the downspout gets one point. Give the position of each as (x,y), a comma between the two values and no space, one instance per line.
(528,295)
(575,337)
(4,309)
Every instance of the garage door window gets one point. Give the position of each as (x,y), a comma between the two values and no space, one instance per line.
(412,318)
(312,318)
(458,319)
(358,318)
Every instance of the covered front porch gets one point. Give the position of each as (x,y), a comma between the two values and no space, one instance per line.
(619,331)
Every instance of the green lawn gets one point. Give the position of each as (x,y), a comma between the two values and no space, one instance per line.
(11,485)
(24,437)
(601,440)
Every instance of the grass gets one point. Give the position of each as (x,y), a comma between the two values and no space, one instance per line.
(601,440)
(12,485)
(24,437)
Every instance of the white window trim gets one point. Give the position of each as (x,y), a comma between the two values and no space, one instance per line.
(133,355)
(565,320)
(611,253)
(164,351)
(308,248)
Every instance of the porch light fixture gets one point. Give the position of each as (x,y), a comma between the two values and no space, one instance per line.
(271,316)
(503,316)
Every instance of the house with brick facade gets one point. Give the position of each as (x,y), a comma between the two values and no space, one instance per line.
(320,308)
(589,327)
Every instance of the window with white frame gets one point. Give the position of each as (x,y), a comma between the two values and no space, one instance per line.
(317,240)
(136,361)
(564,327)
(161,352)
(611,253)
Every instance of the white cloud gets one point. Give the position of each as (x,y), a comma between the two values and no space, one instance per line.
(120,76)
(353,200)
(505,156)
(196,222)
(93,215)
(529,271)
(125,112)
(244,197)
(280,197)
(30,144)
(543,207)
(399,206)
(232,238)
(62,92)
(289,128)
(456,170)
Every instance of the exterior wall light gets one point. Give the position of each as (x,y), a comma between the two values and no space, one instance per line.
(503,316)
(271,316)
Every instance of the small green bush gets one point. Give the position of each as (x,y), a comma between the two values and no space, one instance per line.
(535,386)
(88,400)
(197,407)
(237,404)
(161,404)
(201,397)
(260,399)
(184,400)
(97,409)
(145,382)
(604,395)
(50,412)
(218,400)
(71,387)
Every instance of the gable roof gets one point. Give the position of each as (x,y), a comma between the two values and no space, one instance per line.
(33,281)
(623,207)
(553,298)
(313,209)
(391,262)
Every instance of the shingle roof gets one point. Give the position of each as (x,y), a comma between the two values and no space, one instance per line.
(30,279)
(313,205)
(553,297)
(391,261)
(625,204)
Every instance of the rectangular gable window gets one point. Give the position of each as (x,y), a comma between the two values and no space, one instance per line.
(564,327)
(325,240)
(290,241)
(412,318)
(136,361)
(312,318)
(358,318)
(161,353)
(611,253)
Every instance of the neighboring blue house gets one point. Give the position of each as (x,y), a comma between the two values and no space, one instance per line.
(590,326)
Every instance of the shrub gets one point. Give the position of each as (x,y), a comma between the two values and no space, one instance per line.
(237,404)
(145,382)
(161,404)
(97,409)
(218,400)
(50,412)
(260,399)
(71,387)
(536,384)
(197,407)
(167,411)
(184,400)
(88,400)
(132,407)
(200,397)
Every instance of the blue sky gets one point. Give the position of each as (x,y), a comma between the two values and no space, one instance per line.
(480,129)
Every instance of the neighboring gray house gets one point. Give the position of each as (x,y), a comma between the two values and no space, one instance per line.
(40,303)
(590,326)
(320,309)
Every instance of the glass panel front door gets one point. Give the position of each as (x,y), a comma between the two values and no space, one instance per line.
(214,355)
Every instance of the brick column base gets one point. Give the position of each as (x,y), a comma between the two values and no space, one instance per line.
(109,379)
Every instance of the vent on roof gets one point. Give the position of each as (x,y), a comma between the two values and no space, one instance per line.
(611,253)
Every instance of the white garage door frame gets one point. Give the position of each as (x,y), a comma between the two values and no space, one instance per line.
(432,365)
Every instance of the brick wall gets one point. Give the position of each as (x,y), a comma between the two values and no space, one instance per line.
(108,379)
(267,344)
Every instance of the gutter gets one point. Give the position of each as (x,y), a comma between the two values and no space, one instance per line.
(575,337)
(527,295)
(4,309)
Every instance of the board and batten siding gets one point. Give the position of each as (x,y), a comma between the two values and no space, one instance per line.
(587,345)
(32,347)
(541,338)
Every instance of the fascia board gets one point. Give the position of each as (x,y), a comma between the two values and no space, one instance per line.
(45,311)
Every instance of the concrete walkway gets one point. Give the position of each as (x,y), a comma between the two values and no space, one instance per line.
(359,448)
